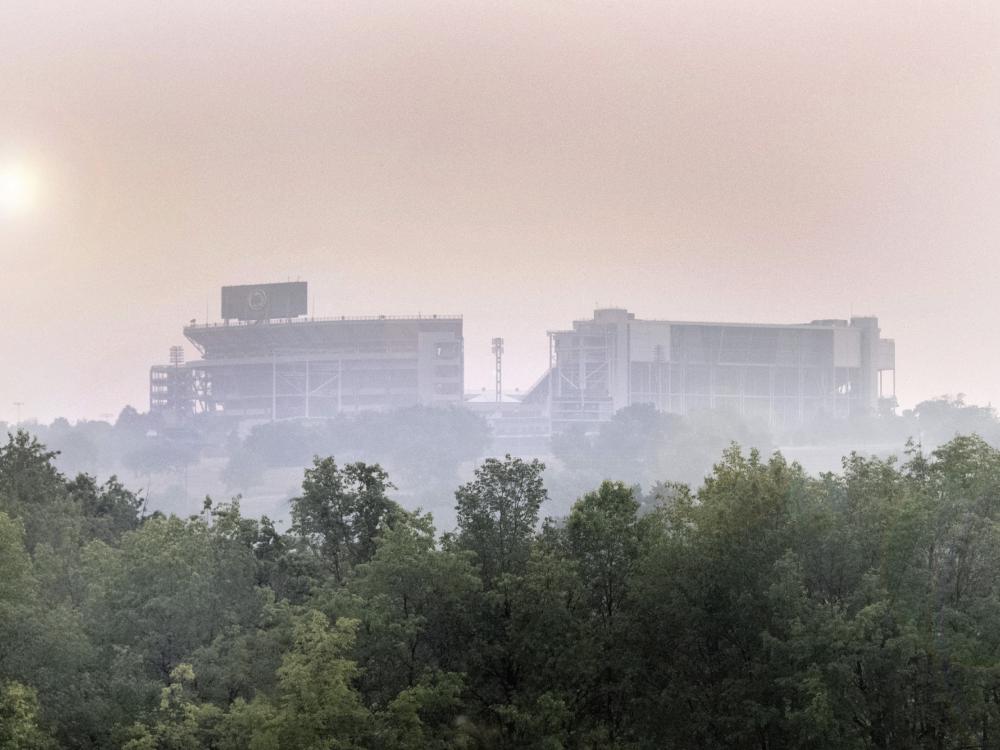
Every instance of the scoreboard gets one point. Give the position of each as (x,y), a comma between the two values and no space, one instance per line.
(264,301)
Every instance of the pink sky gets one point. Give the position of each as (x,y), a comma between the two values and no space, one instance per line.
(515,162)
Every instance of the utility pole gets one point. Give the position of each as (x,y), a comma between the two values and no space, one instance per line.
(18,405)
(498,353)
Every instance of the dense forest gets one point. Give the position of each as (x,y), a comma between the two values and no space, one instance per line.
(766,608)
(429,451)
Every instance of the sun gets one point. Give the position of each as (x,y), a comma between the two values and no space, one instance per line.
(18,189)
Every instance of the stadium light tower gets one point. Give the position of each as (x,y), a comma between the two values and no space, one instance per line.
(498,353)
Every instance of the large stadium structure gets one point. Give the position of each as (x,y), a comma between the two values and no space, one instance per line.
(255,366)
(267,361)
(784,375)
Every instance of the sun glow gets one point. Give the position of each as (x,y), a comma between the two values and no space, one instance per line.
(18,189)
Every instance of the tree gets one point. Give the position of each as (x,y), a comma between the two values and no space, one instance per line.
(605,538)
(856,610)
(317,705)
(702,595)
(18,591)
(498,512)
(19,721)
(171,587)
(284,443)
(425,716)
(33,490)
(340,512)
(941,419)
(109,510)
(424,445)
(243,470)
(416,610)
(180,723)
(155,455)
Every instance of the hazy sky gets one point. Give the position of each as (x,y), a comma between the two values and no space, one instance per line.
(515,162)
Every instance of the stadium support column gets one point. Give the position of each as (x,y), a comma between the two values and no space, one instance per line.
(274,387)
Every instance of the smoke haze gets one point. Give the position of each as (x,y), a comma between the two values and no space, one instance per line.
(514,162)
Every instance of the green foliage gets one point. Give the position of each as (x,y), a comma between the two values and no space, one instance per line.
(766,609)
(498,512)
(19,728)
(33,490)
(109,510)
(423,446)
(341,511)
(641,445)
(16,584)
(318,706)
(605,538)
(944,418)
(415,612)
(179,723)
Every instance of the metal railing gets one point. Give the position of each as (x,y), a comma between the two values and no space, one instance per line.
(328,319)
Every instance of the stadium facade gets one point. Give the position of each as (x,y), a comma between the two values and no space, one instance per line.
(266,360)
(261,367)
(785,375)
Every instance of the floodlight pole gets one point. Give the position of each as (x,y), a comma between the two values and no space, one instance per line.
(498,353)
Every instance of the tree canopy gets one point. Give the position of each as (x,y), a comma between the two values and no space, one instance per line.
(764,608)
